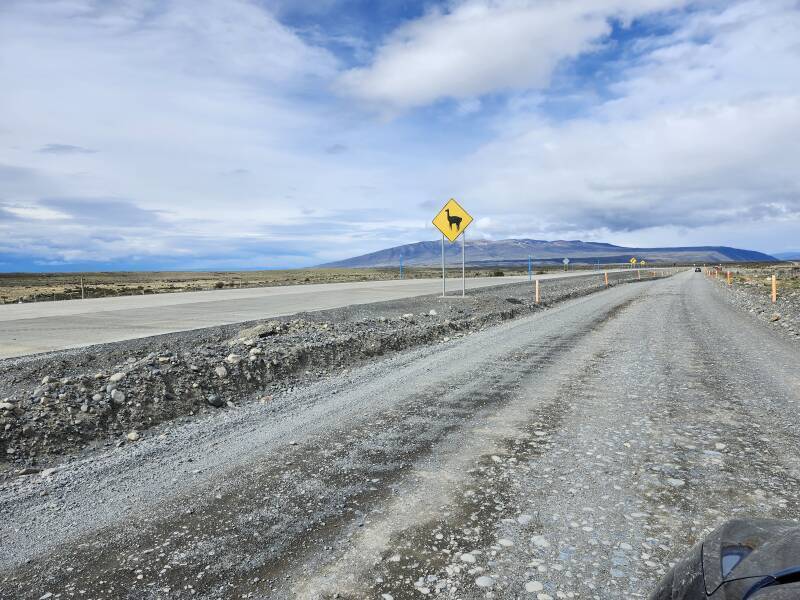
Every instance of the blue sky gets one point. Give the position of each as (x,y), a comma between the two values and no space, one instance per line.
(145,134)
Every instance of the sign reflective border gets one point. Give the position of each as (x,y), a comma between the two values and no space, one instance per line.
(452,220)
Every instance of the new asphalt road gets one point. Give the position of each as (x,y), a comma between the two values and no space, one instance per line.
(573,453)
(47,326)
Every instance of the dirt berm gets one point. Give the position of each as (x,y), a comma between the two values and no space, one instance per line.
(65,402)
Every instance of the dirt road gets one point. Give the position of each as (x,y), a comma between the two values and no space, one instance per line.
(570,454)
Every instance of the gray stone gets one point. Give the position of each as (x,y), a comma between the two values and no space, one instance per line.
(533,586)
(540,541)
(28,471)
(215,401)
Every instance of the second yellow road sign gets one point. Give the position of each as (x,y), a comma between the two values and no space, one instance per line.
(452,220)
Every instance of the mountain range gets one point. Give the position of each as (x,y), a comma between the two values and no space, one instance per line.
(789,255)
(516,252)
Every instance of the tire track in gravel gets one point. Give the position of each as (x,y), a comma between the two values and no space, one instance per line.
(418,547)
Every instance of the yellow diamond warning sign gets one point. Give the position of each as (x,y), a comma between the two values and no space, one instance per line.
(452,220)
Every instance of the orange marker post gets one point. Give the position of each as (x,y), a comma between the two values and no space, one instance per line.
(774,289)
(606,275)
(730,279)
(537,291)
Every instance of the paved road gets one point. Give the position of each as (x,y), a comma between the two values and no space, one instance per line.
(570,454)
(46,326)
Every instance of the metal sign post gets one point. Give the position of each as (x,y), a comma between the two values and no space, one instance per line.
(444,273)
(463,263)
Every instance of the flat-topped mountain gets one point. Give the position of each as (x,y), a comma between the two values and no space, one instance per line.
(512,251)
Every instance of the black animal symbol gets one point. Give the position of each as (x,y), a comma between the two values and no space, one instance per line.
(453,220)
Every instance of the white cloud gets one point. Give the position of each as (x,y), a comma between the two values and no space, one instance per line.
(482,46)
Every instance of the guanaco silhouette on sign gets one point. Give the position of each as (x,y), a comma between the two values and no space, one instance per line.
(453,220)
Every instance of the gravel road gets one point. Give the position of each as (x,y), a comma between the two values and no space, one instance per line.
(572,453)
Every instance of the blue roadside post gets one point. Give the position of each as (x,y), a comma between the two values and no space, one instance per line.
(530,271)
(401,267)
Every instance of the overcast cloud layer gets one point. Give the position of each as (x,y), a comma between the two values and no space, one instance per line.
(246,134)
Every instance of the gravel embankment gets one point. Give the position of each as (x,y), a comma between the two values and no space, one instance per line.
(755,297)
(63,402)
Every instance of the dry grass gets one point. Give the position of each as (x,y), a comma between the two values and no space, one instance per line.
(761,276)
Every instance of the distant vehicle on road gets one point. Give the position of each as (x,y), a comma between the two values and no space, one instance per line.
(742,559)
(697,270)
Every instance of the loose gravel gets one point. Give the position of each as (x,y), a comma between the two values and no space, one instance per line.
(754,296)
